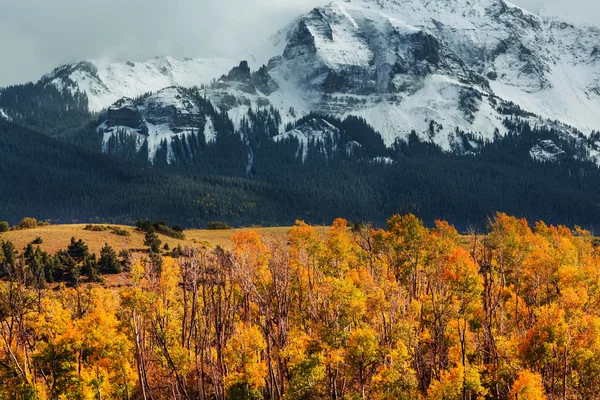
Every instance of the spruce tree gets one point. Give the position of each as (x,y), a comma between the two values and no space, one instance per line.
(78,250)
(90,268)
(109,262)
(151,240)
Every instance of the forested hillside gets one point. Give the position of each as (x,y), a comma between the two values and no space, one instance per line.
(47,178)
(403,313)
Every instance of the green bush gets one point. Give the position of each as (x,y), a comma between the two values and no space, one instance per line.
(4,227)
(119,231)
(95,228)
(161,227)
(103,228)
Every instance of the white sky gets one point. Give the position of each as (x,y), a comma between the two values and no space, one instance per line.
(38,35)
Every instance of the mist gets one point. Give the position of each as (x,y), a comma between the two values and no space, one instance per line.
(38,35)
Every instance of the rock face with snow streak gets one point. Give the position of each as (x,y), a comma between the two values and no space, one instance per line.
(547,151)
(156,120)
(315,133)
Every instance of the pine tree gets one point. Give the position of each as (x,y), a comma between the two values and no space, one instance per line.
(151,240)
(109,262)
(78,250)
(90,268)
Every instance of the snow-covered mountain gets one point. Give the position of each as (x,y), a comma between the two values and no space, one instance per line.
(403,64)
(437,67)
(105,82)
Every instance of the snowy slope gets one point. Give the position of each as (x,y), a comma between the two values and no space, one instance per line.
(403,64)
(105,82)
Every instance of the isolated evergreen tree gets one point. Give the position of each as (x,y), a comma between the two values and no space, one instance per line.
(109,262)
(78,250)
(151,240)
(125,261)
(72,270)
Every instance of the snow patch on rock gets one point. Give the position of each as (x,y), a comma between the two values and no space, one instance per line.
(314,133)
(547,151)
(4,115)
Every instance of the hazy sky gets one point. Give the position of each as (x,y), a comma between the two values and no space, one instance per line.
(38,35)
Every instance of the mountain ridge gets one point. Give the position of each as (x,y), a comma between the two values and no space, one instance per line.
(437,68)
(402,66)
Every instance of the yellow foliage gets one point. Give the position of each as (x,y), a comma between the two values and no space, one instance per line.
(243,357)
(528,386)
(405,313)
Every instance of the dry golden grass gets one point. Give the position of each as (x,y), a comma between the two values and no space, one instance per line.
(57,237)
(223,237)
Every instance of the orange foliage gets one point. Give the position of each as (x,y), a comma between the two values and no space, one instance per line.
(410,312)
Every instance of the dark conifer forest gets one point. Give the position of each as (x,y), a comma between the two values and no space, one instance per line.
(54,167)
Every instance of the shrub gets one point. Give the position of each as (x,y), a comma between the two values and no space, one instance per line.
(213,226)
(160,227)
(95,228)
(103,228)
(4,227)
(119,231)
(28,223)
(144,226)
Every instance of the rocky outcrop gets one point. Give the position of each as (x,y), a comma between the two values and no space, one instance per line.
(157,120)
(124,113)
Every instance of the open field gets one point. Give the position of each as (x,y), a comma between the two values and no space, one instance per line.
(57,237)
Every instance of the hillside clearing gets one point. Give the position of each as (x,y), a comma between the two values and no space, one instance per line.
(57,237)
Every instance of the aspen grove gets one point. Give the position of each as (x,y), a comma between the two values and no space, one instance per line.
(408,312)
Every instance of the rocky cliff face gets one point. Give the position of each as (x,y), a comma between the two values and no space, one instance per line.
(154,121)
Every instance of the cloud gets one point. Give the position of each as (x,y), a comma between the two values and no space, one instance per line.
(38,35)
